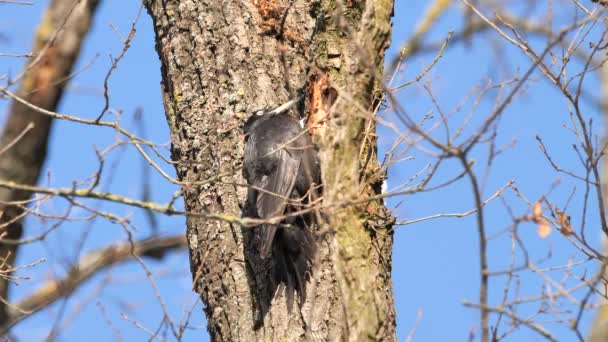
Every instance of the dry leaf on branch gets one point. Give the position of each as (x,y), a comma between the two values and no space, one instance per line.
(564,223)
(544,228)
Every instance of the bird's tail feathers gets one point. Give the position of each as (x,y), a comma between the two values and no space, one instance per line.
(293,252)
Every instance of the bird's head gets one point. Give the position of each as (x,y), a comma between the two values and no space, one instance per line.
(263,114)
(253,120)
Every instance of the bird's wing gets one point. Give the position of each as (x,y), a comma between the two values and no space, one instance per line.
(309,170)
(251,209)
(249,160)
(272,201)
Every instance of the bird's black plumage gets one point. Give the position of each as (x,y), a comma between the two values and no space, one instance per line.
(282,169)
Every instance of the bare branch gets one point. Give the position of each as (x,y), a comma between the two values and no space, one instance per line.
(88,266)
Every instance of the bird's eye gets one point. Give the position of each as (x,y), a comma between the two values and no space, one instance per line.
(259,113)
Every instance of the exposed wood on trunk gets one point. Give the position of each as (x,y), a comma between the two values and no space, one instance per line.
(223,60)
(321,97)
(56,47)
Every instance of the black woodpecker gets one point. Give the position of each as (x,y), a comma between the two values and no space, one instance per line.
(282,169)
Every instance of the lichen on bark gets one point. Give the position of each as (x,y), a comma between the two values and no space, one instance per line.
(354,62)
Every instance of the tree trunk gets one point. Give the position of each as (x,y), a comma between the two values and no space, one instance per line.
(25,134)
(221,60)
(599,329)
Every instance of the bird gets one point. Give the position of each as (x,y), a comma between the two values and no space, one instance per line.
(282,170)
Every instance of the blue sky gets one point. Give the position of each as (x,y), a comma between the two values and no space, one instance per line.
(435,263)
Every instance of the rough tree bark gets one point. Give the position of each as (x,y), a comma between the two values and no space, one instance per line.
(25,134)
(222,60)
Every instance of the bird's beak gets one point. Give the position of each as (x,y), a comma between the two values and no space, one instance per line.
(285,106)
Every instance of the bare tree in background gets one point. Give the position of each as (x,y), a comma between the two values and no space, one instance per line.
(24,140)
(26,131)
(567,59)
(223,60)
